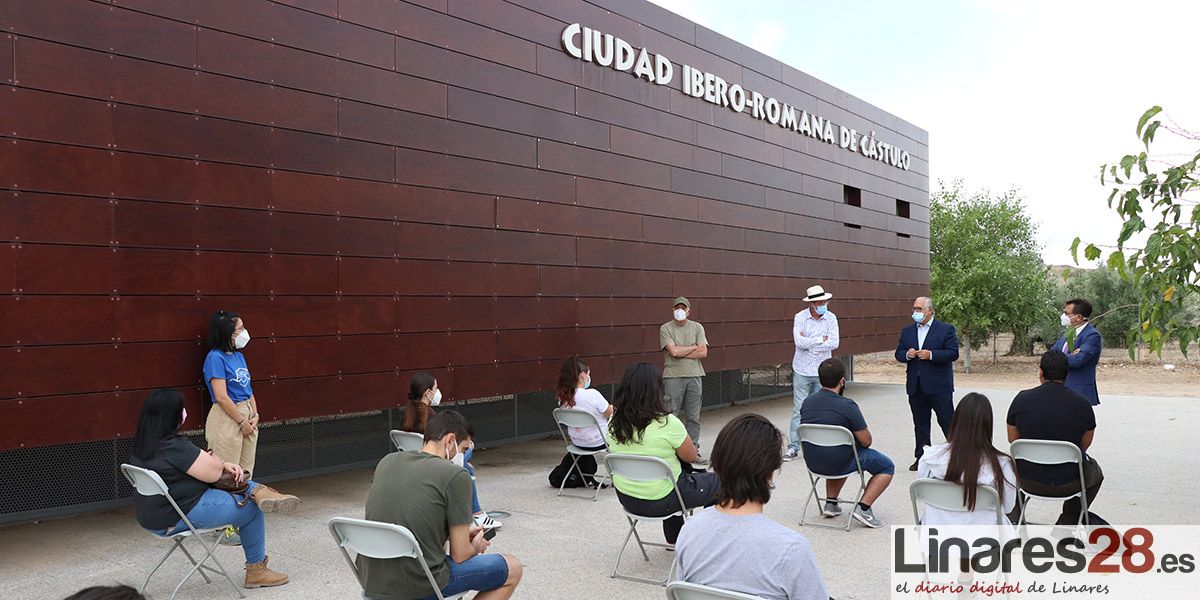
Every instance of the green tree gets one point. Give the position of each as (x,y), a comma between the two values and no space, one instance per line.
(1166,270)
(985,272)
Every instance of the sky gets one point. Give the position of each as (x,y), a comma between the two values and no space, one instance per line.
(1024,94)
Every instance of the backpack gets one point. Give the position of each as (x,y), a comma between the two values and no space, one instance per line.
(587,464)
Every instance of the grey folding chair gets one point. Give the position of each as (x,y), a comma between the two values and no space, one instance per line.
(380,540)
(1051,452)
(948,495)
(643,468)
(574,417)
(406,440)
(148,483)
(682,590)
(829,436)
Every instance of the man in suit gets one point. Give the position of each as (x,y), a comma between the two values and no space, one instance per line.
(929,347)
(1082,344)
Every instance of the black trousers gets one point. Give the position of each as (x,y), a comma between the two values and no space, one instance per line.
(1093,477)
(942,405)
(697,489)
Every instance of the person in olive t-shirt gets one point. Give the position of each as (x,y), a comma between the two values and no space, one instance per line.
(431,496)
(683,345)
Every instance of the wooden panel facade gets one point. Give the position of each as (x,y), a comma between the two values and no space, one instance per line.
(381,187)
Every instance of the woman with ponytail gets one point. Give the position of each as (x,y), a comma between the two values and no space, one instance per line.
(423,395)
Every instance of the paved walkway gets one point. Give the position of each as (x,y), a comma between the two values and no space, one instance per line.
(1146,445)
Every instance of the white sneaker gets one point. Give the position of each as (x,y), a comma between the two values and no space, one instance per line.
(791,454)
(486,522)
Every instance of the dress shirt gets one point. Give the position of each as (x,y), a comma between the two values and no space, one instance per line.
(807,333)
(922,331)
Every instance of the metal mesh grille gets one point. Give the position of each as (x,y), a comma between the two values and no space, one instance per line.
(72,478)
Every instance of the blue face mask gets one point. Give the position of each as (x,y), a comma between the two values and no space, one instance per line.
(918,316)
(822,309)
(587,383)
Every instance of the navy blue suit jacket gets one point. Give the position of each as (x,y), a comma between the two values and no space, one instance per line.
(936,375)
(1081,366)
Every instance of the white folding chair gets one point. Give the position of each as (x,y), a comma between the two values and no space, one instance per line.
(380,540)
(406,440)
(830,436)
(1051,452)
(682,590)
(574,417)
(643,468)
(148,483)
(948,495)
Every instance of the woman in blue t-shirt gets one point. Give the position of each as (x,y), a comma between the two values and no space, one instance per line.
(232,425)
(189,472)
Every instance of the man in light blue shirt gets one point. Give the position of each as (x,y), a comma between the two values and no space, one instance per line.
(815,333)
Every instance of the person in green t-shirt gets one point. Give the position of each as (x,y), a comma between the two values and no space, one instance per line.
(684,344)
(641,425)
(430,495)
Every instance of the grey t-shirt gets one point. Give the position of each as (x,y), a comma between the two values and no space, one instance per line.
(750,554)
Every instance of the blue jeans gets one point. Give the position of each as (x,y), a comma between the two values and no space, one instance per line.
(481,572)
(218,507)
(471,470)
(803,386)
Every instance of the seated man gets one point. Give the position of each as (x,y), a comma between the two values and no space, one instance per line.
(431,496)
(828,407)
(735,546)
(1052,411)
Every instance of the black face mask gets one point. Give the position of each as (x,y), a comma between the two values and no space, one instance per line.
(842,389)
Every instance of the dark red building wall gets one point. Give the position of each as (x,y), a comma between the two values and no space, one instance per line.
(382,186)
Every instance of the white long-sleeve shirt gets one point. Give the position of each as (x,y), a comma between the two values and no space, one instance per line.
(809,335)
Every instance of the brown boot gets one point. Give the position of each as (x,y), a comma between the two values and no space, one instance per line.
(269,500)
(258,575)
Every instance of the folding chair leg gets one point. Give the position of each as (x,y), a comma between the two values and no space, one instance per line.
(200,566)
(629,534)
(189,556)
(641,545)
(160,564)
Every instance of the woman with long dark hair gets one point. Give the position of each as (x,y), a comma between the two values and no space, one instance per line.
(735,546)
(970,459)
(232,425)
(189,472)
(423,395)
(641,425)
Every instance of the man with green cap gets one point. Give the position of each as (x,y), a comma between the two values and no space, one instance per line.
(683,345)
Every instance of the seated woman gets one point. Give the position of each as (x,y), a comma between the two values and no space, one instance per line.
(736,547)
(574,391)
(642,426)
(969,458)
(189,472)
(423,395)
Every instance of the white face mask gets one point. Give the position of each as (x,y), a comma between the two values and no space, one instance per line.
(680,314)
(437,398)
(1066,320)
(458,457)
(241,339)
